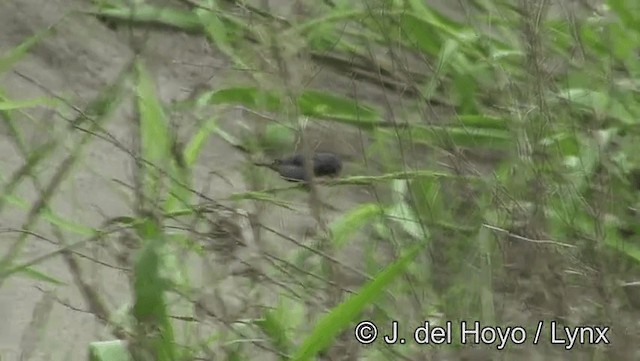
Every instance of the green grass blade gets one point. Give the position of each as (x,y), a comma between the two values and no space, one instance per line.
(344,314)
(313,103)
(6,104)
(149,14)
(251,97)
(194,146)
(39,276)
(17,53)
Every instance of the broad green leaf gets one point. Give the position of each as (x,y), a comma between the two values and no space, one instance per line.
(250,97)
(465,86)
(567,144)
(628,248)
(489,138)
(318,103)
(426,13)
(420,34)
(143,13)
(278,136)
(311,102)
(628,12)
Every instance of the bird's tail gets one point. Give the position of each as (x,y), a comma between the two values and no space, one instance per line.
(270,165)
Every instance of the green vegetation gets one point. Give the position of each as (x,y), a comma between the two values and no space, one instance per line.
(535,217)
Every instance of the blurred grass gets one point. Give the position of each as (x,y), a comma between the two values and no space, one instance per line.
(562,193)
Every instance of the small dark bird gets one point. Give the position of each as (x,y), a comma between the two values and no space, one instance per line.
(291,168)
(291,173)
